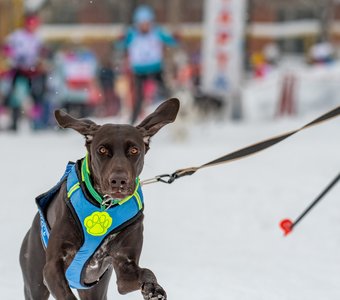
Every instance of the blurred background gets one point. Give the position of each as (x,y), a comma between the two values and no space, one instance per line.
(238,60)
(244,70)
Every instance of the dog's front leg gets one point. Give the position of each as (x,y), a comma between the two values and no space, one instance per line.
(130,277)
(61,249)
(55,280)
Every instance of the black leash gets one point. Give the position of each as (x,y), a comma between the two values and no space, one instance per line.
(287,225)
(241,153)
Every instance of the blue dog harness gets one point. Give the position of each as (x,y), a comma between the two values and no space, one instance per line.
(96,220)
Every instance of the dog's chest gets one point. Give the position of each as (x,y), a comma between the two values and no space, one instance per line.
(100,261)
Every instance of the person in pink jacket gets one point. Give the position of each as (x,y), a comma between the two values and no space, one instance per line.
(24,50)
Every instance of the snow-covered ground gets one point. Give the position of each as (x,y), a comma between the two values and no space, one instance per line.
(213,235)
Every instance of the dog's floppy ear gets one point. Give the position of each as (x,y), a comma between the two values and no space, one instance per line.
(84,126)
(164,114)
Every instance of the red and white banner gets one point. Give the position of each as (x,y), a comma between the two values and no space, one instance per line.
(223,46)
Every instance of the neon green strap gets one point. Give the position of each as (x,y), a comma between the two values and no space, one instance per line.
(139,201)
(73,189)
(85,176)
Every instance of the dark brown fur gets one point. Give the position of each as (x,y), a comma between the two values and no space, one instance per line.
(114,167)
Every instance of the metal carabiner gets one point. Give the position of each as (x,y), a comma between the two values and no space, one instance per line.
(170,179)
(158,178)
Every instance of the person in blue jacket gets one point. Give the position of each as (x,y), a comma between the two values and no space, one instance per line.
(144,42)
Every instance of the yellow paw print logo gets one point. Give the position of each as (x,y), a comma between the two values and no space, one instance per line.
(98,223)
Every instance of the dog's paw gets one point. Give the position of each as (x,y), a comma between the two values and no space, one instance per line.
(98,223)
(153,291)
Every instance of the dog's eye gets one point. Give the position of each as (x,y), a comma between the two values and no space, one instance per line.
(133,151)
(102,150)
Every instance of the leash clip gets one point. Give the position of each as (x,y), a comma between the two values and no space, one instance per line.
(171,178)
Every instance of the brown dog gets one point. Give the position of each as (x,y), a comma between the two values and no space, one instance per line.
(98,203)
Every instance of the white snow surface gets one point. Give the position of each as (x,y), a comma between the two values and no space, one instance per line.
(213,235)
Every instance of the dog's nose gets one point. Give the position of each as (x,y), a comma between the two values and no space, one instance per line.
(119,180)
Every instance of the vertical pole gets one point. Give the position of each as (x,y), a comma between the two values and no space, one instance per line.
(18,13)
(11,16)
(2,19)
(287,100)
(173,16)
(326,18)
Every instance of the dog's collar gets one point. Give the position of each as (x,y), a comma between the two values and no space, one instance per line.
(104,201)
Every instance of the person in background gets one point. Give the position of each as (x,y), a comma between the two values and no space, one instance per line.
(271,54)
(144,42)
(24,50)
(322,53)
(259,65)
(107,78)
